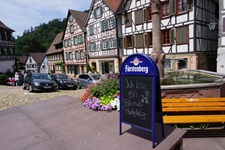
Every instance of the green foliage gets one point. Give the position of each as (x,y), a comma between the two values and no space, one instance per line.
(105,100)
(63,68)
(58,63)
(202,126)
(38,39)
(106,87)
(88,68)
(2,79)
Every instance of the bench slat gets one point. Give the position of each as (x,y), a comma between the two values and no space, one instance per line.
(190,104)
(213,99)
(185,109)
(193,119)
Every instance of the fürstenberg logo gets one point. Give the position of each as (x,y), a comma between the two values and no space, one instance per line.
(136,67)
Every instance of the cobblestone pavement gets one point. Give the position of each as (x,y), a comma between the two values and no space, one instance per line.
(16,96)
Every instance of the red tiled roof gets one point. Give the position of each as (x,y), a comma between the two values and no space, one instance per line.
(113,4)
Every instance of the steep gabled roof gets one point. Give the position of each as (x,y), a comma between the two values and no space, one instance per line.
(112,4)
(3,26)
(38,57)
(57,40)
(22,59)
(80,18)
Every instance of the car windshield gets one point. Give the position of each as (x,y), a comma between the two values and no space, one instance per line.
(41,76)
(96,76)
(63,77)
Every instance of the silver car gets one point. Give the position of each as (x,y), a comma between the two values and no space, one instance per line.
(85,79)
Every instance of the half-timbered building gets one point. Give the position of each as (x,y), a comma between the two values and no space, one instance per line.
(33,62)
(221,42)
(55,57)
(74,42)
(186,37)
(102,44)
(7,57)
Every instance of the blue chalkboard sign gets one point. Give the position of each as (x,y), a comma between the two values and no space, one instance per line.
(140,94)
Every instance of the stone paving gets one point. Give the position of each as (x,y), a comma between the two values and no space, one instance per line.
(16,96)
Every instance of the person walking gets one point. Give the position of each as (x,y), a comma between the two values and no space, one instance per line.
(11,80)
(17,79)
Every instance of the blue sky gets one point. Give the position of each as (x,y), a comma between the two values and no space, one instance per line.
(20,15)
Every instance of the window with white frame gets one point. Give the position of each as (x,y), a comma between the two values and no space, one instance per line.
(71,29)
(105,44)
(70,55)
(98,12)
(93,46)
(112,43)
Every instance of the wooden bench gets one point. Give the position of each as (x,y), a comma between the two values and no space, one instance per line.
(193,110)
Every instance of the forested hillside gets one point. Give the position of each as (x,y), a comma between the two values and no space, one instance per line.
(38,39)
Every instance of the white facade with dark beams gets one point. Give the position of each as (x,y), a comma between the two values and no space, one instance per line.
(186,38)
(102,36)
(74,43)
(221,44)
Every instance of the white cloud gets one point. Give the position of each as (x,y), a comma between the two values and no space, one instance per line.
(20,15)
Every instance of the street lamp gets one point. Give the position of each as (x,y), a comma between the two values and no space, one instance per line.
(212,25)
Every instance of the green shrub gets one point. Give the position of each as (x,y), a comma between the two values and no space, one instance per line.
(106,87)
(2,79)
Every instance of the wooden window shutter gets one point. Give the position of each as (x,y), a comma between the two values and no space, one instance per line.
(94,46)
(91,30)
(100,11)
(101,45)
(95,14)
(132,41)
(223,25)
(189,5)
(182,35)
(81,39)
(124,42)
(67,56)
(172,7)
(172,36)
(106,25)
(102,25)
(146,40)
(114,22)
(107,44)
(78,54)
(144,15)
(115,43)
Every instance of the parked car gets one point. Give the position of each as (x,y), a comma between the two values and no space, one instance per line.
(85,79)
(64,81)
(39,82)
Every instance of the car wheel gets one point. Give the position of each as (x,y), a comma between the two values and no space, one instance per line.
(79,86)
(75,87)
(24,87)
(58,86)
(31,88)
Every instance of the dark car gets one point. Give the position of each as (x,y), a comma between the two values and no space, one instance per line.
(39,82)
(64,81)
(85,79)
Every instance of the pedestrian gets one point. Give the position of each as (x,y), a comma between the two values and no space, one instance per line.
(17,79)
(11,80)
